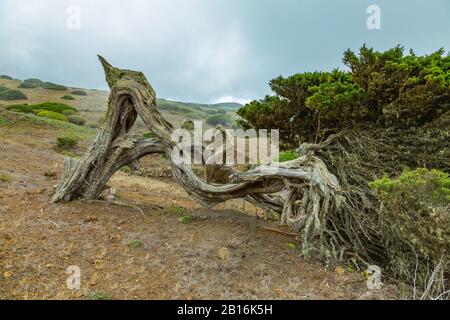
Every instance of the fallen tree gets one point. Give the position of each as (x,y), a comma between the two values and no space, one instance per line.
(324,194)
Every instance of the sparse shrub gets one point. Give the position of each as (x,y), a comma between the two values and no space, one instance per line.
(100,296)
(4,76)
(176,210)
(288,155)
(185,219)
(215,120)
(67,97)
(8,94)
(79,121)
(52,115)
(53,86)
(134,244)
(79,93)
(67,142)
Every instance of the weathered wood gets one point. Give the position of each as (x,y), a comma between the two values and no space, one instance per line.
(302,191)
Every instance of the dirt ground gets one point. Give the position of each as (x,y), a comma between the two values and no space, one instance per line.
(137,247)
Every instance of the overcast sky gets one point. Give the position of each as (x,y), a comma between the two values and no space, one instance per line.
(205,50)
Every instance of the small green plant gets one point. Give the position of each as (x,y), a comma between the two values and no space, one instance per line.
(185,219)
(67,97)
(67,142)
(79,93)
(291,246)
(79,121)
(176,210)
(52,115)
(288,155)
(5,177)
(134,244)
(99,296)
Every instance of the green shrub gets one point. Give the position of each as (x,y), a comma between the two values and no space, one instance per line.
(47,106)
(23,108)
(52,115)
(69,112)
(382,89)
(79,121)
(8,94)
(26,85)
(33,81)
(53,86)
(134,244)
(185,219)
(93,125)
(67,142)
(215,120)
(67,97)
(79,93)
(415,222)
(288,156)
(4,76)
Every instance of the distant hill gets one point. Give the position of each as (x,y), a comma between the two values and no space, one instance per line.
(93,104)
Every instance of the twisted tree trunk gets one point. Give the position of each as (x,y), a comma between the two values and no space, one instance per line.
(302,191)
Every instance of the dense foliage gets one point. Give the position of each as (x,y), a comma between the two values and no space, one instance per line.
(52,115)
(79,93)
(382,89)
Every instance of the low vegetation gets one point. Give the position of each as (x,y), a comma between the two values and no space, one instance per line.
(4,76)
(67,142)
(67,97)
(11,94)
(79,93)
(219,119)
(79,121)
(52,115)
(47,106)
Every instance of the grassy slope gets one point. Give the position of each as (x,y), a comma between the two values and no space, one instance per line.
(93,106)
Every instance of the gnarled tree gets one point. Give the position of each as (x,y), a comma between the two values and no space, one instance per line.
(324,194)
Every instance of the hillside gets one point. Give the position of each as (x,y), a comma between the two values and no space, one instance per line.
(93,105)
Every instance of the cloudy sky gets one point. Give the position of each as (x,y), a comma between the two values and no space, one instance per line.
(205,50)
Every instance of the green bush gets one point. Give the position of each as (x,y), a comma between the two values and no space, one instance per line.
(53,86)
(33,81)
(415,221)
(52,115)
(26,85)
(383,89)
(288,155)
(79,121)
(4,76)
(79,93)
(67,142)
(67,97)
(69,112)
(8,94)
(215,120)
(47,106)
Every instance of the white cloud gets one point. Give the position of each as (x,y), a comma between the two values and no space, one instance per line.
(226,99)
